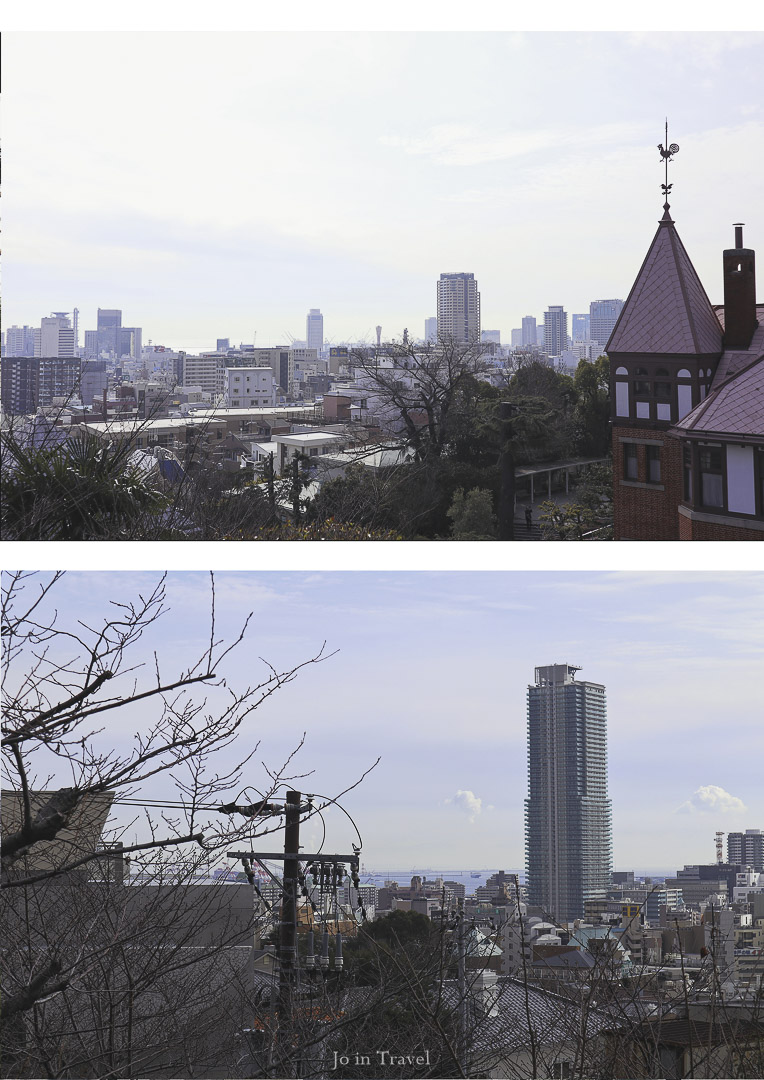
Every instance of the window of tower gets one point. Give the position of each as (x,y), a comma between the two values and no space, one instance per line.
(630,461)
(653,464)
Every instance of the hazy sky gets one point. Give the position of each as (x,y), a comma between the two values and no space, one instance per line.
(214,184)
(431,673)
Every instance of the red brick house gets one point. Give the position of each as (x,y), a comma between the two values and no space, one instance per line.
(687,392)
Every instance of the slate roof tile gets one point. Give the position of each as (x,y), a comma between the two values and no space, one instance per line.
(667,310)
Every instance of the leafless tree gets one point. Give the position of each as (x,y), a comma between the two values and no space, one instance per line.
(79,941)
(415,388)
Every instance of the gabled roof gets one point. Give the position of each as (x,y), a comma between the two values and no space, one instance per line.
(736,407)
(667,310)
(734,360)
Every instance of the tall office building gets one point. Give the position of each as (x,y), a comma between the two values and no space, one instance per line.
(55,336)
(567,812)
(746,849)
(458,307)
(579,327)
(529,331)
(314,329)
(431,329)
(109,325)
(603,315)
(555,331)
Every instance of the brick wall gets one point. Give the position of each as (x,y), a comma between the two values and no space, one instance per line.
(706,530)
(645,511)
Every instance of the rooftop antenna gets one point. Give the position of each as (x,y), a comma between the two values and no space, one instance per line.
(666,156)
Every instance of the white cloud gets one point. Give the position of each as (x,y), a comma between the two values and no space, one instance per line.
(710,799)
(468,802)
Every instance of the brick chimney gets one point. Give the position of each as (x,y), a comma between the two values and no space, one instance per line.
(739,294)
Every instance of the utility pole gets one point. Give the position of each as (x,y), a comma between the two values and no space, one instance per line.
(462,985)
(288,928)
(289,1058)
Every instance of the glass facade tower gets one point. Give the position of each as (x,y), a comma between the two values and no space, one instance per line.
(567,812)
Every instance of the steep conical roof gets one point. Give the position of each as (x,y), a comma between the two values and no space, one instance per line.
(667,310)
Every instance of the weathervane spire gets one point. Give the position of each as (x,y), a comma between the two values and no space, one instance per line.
(666,156)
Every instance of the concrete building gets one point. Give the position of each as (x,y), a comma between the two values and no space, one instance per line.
(491,336)
(529,331)
(458,307)
(19,341)
(603,315)
(431,329)
(567,812)
(314,329)
(516,338)
(746,848)
(247,387)
(55,336)
(555,330)
(33,382)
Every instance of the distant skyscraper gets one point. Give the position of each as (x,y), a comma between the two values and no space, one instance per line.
(579,327)
(555,331)
(109,325)
(516,337)
(529,331)
(431,329)
(55,336)
(223,344)
(567,812)
(603,315)
(540,336)
(458,307)
(314,329)
(491,335)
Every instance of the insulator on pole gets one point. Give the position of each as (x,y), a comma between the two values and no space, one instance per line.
(338,953)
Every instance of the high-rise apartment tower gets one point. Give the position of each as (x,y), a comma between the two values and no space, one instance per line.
(555,330)
(567,812)
(746,849)
(458,308)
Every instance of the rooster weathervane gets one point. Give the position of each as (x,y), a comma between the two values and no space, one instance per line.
(666,156)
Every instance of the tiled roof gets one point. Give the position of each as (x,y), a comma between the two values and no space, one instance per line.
(734,360)
(736,407)
(667,310)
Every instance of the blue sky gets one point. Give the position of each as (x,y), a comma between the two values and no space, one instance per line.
(217,184)
(430,672)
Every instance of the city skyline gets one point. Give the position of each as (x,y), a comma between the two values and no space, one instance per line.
(430,671)
(344,180)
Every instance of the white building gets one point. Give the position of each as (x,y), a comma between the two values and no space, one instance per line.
(431,329)
(55,337)
(246,387)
